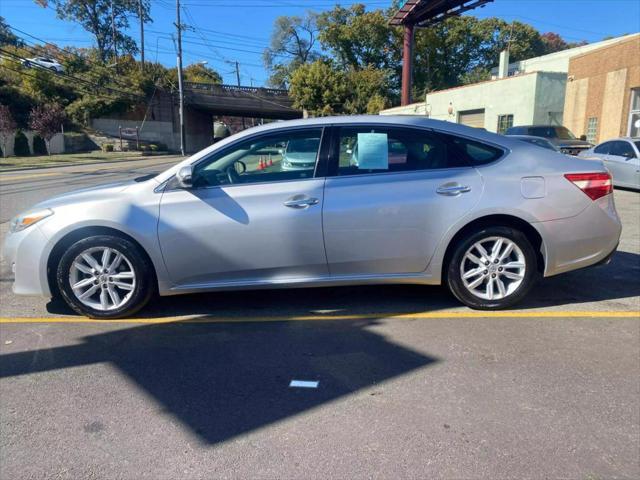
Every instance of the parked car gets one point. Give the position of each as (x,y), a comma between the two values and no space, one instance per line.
(539,141)
(300,154)
(622,157)
(43,62)
(484,214)
(561,137)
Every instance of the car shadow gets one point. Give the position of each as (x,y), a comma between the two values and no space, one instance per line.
(224,379)
(617,280)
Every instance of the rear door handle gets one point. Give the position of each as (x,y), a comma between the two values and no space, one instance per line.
(301,202)
(450,190)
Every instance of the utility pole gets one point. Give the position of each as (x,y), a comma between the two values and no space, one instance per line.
(113,32)
(238,80)
(141,15)
(183,146)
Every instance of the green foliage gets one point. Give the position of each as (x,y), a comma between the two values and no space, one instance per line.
(198,73)
(365,85)
(107,147)
(39,147)
(292,45)
(322,88)
(7,37)
(21,145)
(99,17)
(358,38)
(319,88)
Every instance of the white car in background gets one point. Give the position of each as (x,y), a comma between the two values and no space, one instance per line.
(43,62)
(622,157)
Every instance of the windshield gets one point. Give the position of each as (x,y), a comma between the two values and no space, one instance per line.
(539,142)
(307,145)
(562,133)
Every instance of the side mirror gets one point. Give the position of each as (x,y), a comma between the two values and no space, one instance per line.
(184,177)
(583,138)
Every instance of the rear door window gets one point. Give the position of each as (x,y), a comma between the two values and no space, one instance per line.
(623,149)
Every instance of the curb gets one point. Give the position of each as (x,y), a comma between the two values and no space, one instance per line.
(75,164)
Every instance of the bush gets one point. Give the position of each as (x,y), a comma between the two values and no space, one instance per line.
(39,147)
(21,145)
(107,147)
(153,147)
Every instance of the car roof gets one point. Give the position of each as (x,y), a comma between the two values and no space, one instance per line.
(537,126)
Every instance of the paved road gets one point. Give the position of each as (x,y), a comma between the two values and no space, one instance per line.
(411,384)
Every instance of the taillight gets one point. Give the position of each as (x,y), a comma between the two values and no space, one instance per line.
(595,185)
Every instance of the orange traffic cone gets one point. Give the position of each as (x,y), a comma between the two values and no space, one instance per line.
(260,165)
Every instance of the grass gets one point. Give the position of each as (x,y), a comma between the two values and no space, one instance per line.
(12,163)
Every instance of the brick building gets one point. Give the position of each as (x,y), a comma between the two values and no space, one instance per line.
(602,100)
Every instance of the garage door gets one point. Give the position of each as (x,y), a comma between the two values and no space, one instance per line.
(472,118)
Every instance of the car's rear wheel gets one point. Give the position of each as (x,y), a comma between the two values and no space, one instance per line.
(493,268)
(105,276)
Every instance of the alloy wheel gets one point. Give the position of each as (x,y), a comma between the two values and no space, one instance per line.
(102,278)
(493,268)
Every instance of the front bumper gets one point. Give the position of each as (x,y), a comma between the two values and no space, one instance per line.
(26,253)
(581,241)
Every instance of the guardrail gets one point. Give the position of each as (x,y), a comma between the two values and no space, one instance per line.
(220,88)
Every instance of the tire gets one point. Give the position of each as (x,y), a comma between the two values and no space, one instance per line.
(510,283)
(53,69)
(119,290)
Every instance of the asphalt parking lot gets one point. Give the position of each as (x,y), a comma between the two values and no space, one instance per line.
(411,385)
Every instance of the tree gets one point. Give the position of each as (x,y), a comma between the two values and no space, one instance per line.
(7,37)
(198,73)
(8,128)
(292,44)
(358,38)
(367,90)
(46,120)
(101,18)
(319,88)
(555,43)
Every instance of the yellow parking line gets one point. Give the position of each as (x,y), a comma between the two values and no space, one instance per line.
(301,318)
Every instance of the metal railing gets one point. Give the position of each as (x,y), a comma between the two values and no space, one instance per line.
(220,88)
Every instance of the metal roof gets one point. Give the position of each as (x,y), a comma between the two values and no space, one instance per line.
(428,12)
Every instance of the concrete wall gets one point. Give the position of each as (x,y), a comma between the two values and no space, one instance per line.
(152,131)
(529,98)
(549,98)
(600,84)
(56,145)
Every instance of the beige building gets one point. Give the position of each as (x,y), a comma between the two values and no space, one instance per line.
(543,90)
(603,92)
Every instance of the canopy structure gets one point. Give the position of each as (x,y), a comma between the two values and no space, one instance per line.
(424,13)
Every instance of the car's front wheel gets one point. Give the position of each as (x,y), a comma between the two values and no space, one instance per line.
(493,268)
(104,277)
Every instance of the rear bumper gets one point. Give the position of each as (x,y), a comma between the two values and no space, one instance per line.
(581,241)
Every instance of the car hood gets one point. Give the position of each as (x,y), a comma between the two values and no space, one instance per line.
(569,143)
(107,191)
(300,156)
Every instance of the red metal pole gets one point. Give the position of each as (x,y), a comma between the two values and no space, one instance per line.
(407,64)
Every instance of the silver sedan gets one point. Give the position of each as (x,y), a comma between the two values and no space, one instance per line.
(622,157)
(426,202)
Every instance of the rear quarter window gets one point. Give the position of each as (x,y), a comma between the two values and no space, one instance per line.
(476,153)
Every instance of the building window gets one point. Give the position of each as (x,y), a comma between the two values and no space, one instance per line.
(504,122)
(592,129)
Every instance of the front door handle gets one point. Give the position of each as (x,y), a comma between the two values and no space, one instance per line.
(301,202)
(451,190)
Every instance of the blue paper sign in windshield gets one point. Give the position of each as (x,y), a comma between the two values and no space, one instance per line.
(373,151)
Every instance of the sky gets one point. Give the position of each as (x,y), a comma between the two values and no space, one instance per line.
(226,31)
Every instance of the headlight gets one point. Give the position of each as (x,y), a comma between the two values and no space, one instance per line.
(27,219)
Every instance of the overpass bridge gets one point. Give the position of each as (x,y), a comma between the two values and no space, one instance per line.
(159,120)
(256,102)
